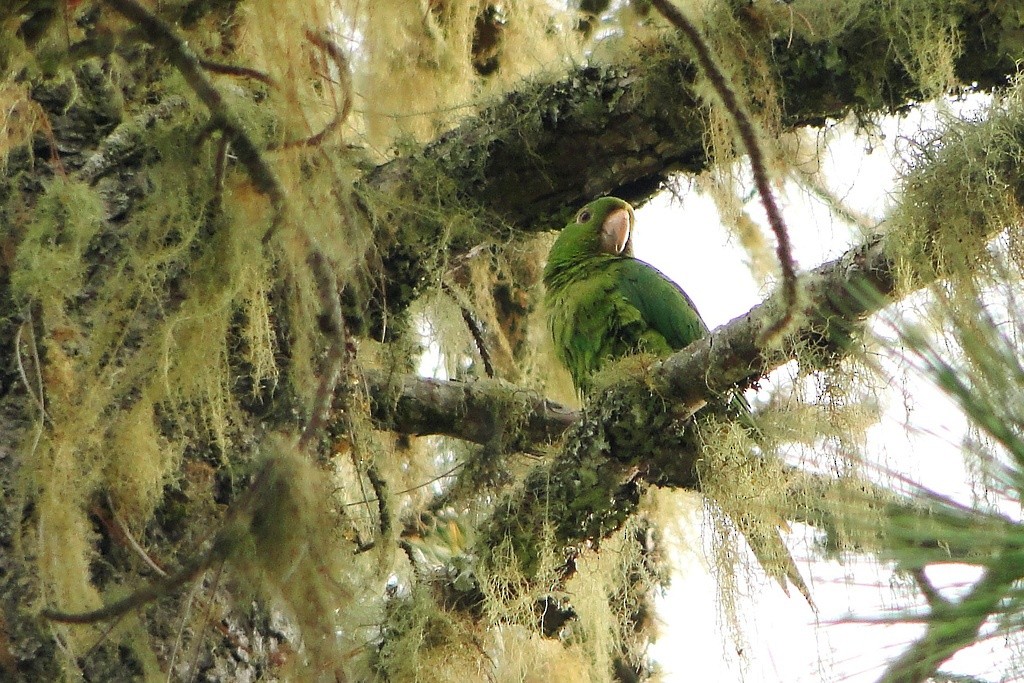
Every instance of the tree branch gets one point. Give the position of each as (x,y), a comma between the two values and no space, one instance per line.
(480,411)
(544,150)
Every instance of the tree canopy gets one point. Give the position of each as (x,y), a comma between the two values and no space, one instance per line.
(232,231)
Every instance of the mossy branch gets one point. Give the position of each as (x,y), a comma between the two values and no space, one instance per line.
(548,148)
(839,295)
(159,588)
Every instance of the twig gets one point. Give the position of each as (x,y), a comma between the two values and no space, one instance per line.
(746,129)
(380,488)
(235,526)
(232,70)
(835,204)
(102,638)
(40,398)
(341,61)
(181,630)
(51,139)
(153,591)
(37,399)
(132,543)
(332,324)
(475,329)
(952,629)
(197,644)
(425,484)
(160,34)
(930,593)
(220,165)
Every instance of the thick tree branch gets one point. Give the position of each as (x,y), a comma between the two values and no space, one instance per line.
(529,160)
(839,295)
(624,129)
(482,411)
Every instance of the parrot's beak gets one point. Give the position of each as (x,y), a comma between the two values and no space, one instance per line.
(615,231)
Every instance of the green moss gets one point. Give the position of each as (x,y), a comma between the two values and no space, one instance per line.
(51,264)
(421,642)
(963,192)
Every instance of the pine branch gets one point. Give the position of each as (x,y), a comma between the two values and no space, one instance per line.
(954,627)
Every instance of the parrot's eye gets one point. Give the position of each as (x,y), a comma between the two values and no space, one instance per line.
(583,216)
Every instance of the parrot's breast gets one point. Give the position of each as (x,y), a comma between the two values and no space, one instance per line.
(592,323)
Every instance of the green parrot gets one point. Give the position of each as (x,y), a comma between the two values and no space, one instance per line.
(604,304)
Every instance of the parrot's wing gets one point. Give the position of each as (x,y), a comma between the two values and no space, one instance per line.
(670,312)
(662,304)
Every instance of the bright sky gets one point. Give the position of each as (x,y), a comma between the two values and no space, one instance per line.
(785,640)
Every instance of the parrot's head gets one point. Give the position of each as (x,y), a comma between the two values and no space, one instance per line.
(601,229)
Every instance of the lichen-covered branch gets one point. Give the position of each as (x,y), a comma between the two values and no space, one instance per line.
(484,411)
(839,295)
(624,129)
